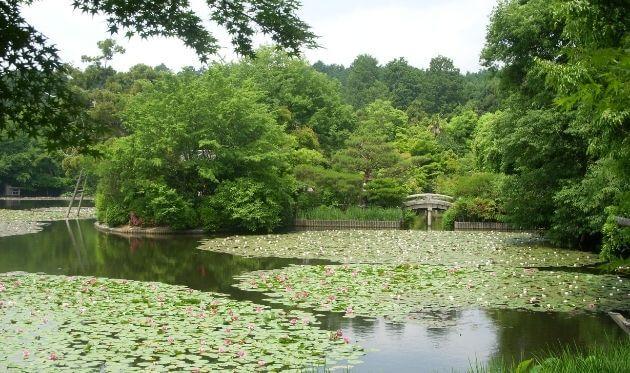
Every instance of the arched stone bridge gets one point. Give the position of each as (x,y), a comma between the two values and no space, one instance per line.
(427,202)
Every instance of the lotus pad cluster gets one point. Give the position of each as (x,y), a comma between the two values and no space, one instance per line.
(396,247)
(400,292)
(14,222)
(58,322)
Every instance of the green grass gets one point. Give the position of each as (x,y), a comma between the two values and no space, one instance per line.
(613,356)
(352,213)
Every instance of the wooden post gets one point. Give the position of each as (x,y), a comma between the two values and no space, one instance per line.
(621,321)
(74,195)
(429,218)
(81,199)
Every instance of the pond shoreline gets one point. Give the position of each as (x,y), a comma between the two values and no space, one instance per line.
(142,231)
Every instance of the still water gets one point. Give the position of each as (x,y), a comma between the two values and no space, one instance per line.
(456,342)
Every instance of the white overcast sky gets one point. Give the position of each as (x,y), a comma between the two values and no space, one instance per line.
(414,29)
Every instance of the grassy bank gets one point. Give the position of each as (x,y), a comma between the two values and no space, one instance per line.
(352,213)
(610,357)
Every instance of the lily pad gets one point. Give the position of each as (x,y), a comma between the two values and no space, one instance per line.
(402,292)
(15,222)
(395,247)
(58,322)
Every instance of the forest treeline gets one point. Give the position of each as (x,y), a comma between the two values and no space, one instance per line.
(537,139)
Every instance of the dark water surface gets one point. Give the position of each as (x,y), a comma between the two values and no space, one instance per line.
(77,248)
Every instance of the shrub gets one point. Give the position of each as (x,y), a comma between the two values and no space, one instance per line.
(159,205)
(471,209)
(246,205)
(616,238)
(110,212)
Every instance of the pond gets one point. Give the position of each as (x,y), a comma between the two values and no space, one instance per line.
(457,341)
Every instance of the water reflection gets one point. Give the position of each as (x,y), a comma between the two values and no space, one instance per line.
(440,342)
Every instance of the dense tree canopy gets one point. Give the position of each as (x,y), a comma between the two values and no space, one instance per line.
(35,97)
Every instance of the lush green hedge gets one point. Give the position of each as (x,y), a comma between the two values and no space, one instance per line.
(471,209)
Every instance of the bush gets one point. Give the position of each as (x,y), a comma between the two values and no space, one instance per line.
(110,212)
(159,205)
(616,239)
(246,205)
(471,209)
(477,184)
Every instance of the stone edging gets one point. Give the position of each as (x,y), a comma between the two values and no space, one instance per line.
(140,231)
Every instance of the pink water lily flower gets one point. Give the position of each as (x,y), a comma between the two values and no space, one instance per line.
(349,310)
(293,321)
(258,309)
(346,339)
(53,356)
(241,353)
(26,354)
(261,363)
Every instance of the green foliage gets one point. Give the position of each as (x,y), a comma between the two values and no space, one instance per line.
(25,163)
(472,209)
(351,213)
(300,96)
(193,136)
(109,212)
(159,205)
(364,84)
(616,237)
(612,356)
(458,132)
(567,63)
(246,205)
(478,184)
(385,192)
(329,187)
(382,118)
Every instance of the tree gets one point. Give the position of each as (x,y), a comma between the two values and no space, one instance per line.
(334,71)
(404,81)
(383,119)
(194,141)
(108,48)
(24,162)
(34,94)
(443,89)
(364,84)
(567,64)
(457,134)
(300,96)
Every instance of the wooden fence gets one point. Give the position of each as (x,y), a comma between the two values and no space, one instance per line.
(348,224)
(483,226)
